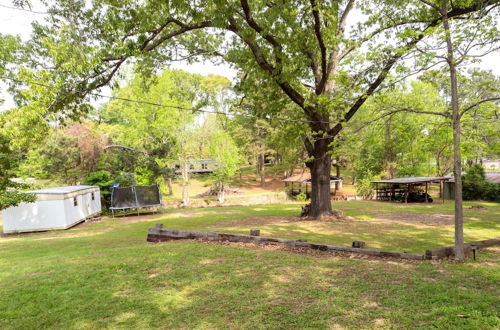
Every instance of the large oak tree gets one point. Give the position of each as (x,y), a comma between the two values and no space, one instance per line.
(325,57)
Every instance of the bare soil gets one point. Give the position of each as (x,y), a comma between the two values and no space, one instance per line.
(302,251)
(257,220)
(419,219)
(406,218)
(274,220)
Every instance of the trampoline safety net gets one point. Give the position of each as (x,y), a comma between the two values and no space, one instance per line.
(135,197)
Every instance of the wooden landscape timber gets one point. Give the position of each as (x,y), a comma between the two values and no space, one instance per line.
(159,234)
(449,251)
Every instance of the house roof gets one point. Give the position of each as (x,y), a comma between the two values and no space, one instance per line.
(306,177)
(416,179)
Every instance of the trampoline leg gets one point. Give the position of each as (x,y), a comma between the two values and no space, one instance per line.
(113,213)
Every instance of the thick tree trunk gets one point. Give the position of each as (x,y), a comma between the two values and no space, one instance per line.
(320,167)
(457,161)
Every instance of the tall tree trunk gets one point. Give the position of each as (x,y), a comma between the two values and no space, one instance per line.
(389,153)
(457,161)
(320,166)
(168,182)
(221,189)
(185,182)
(337,167)
(262,170)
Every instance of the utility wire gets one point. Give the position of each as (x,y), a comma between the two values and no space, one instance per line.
(173,106)
(179,108)
(23,9)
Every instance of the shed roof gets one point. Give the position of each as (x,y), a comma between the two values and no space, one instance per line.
(60,190)
(416,179)
(306,177)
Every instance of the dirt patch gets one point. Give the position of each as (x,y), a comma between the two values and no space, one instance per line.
(274,220)
(329,254)
(133,218)
(257,220)
(419,219)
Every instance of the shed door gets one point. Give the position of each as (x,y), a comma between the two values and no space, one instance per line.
(86,204)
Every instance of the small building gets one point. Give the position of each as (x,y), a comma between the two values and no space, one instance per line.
(407,189)
(301,183)
(199,166)
(449,186)
(55,208)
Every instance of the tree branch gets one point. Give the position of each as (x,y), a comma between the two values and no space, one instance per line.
(390,63)
(321,43)
(472,106)
(184,28)
(118,146)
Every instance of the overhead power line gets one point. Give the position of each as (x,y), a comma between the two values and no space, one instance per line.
(179,108)
(173,106)
(23,9)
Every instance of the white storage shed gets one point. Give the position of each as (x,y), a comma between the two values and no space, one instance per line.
(55,208)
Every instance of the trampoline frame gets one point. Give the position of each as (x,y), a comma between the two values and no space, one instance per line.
(137,206)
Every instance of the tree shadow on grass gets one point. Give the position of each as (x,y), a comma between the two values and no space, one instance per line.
(193,285)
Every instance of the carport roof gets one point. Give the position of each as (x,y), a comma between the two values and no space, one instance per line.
(416,179)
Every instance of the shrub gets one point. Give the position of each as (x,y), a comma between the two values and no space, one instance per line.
(103,180)
(301,197)
(475,186)
(492,192)
(364,187)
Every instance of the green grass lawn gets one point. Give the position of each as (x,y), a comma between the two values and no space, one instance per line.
(105,275)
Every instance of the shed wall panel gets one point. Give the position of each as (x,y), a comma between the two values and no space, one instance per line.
(41,215)
(48,214)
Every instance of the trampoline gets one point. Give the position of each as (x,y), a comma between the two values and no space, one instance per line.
(135,197)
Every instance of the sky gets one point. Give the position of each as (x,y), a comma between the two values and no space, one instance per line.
(18,22)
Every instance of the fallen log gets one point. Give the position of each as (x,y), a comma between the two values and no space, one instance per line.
(159,234)
(449,251)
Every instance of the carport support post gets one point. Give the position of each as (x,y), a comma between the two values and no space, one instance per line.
(441,189)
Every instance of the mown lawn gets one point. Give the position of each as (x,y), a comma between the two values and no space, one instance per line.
(104,274)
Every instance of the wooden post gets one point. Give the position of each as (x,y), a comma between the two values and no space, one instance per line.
(254,232)
(407,192)
(441,189)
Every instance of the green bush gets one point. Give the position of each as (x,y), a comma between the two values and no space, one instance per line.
(144,176)
(364,187)
(103,180)
(492,192)
(476,187)
(301,197)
